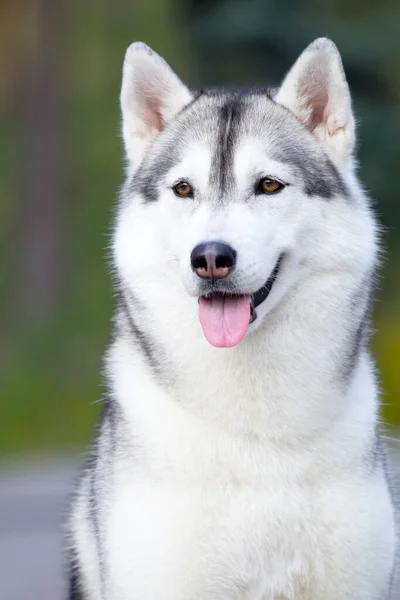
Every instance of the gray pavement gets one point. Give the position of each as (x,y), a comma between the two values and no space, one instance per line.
(33,501)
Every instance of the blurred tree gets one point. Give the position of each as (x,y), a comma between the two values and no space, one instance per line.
(34,95)
(41,242)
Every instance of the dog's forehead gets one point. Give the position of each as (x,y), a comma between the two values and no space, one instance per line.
(227,119)
(222,123)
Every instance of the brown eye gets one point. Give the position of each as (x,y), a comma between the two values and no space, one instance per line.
(183,188)
(268,186)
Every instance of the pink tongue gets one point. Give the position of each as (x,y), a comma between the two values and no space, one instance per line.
(224,319)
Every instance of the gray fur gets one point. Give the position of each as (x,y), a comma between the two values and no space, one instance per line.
(229,117)
(139,336)
(74,578)
(95,477)
(221,119)
(361,307)
(100,476)
(147,179)
(320,179)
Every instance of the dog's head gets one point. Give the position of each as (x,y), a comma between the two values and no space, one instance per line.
(233,198)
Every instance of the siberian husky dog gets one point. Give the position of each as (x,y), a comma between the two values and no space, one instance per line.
(239,456)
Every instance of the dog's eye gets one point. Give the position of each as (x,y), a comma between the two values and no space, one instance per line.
(268,186)
(183,189)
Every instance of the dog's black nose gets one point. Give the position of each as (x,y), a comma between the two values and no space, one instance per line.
(213,260)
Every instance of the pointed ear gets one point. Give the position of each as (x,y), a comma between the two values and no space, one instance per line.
(315,90)
(151,95)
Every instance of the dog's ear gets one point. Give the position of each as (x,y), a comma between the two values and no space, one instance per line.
(151,95)
(315,90)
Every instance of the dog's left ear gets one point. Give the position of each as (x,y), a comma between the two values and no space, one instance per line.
(316,91)
(151,95)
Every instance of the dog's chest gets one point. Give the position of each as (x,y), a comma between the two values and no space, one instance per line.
(210,535)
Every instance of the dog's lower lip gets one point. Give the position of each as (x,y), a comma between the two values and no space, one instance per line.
(264,291)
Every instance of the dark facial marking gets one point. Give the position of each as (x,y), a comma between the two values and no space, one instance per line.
(153,169)
(320,176)
(229,115)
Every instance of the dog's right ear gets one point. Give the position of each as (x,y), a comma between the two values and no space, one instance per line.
(151,95)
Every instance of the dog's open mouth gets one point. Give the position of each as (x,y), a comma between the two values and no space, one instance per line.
(226,317)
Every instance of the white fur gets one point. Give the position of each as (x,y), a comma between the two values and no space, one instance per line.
(247,473)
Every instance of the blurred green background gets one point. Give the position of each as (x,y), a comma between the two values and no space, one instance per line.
(61,164)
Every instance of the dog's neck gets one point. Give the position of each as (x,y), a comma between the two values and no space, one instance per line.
(295,372)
